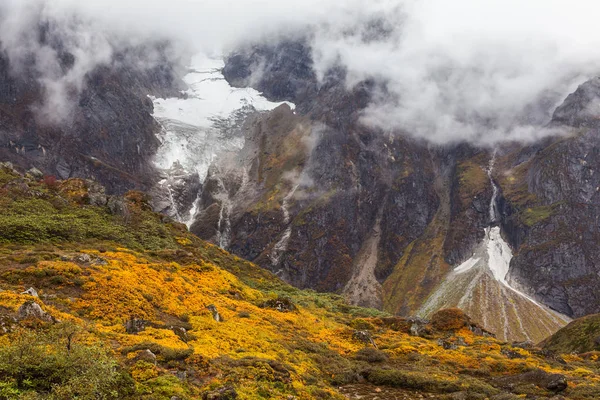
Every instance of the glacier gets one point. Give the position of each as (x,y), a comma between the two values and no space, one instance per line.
(202,123)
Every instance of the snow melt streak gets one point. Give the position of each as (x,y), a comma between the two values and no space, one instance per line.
(479,287)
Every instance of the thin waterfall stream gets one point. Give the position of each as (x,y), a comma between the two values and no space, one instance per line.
(479,286)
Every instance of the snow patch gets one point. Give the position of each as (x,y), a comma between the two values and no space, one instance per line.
(479,285)
(499,255)
(205,120)
(467,265)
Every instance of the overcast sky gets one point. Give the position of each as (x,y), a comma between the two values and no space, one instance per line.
(456,69)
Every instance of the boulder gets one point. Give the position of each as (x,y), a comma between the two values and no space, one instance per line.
(36,174)
(145,355)
(117,206)
(83,258)
(181,332)
(419,327)
(96,194)
(31,292)
(552,382)
(134,325)
(32,310)
(216,316)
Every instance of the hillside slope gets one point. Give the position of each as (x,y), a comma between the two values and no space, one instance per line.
(145,310)
(580,336)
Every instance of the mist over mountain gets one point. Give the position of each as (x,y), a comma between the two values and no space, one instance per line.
(276,199)
(400,153)
(448,71)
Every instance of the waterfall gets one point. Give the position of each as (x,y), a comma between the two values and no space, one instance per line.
(480,287)
(281,246)
(224,224)
(493,202)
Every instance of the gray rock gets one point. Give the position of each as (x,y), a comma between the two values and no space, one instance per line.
(538,377)
(447,345)
(364,337)
(215,314)
(527,345)
(31,292)
(134,325)
(96,194)
(32,310)
(83,258)
(418,326)
(117,206)
(7,323)
(557,259)
(9,166)
(36,173)
(511,354)
(145,355)
(181,332)
(223,393)
(99,261)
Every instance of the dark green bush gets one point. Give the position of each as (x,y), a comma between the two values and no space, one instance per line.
(411,380)
(49,365)
(371,355)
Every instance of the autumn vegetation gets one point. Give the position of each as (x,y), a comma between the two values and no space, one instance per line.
(130,298)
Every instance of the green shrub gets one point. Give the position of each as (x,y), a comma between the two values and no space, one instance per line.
(51,365)
(412,380)
(371,355)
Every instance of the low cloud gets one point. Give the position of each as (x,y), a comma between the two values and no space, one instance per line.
(467,70)
(461,70)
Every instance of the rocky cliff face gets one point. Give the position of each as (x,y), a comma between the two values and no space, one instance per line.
(330,204)
(553,199)
(110,135)
(322,200)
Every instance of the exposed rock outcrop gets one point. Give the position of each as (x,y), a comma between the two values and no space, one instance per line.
(109,136)
(32,310)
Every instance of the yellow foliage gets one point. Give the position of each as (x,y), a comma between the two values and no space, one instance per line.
(582,372)
(167,293)
(183,241)
(143,371)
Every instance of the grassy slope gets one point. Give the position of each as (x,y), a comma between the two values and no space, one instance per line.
(580,336)
(98,269)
